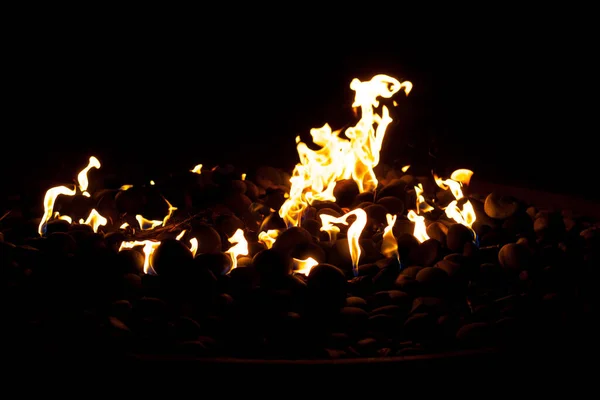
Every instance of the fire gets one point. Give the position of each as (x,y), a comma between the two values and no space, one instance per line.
(239,248)
(95,220)
(82,176)
(147,224)
(466,216)
(63,217)
(422,205)
(304,266)
(149,247)
(171,210)
(197,169)
(125,187)
(420,231)
(49,200)
(268,238)
(389,245)
(193,246)
(314,178)
(354,232)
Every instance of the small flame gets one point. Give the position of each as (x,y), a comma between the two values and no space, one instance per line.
(420,231)
(405,168)
(49,200)
(354,232)
(152,183)
(268,238)
(466,216)
(180,235)
(147,224)
(239,248)
(82,177)
(125,187)
(304,266)
(95,220)
(193,246)
(244,177)
(171,210)
(124,225)
(422,205)
(315,177)
(149,247)
(63,217)
(389,245)
(197,169)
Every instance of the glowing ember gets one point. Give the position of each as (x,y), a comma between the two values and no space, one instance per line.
(389,245)
(314,178)
(239,248)
(304,266)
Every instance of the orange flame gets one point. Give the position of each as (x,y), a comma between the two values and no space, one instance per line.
(422,205)
(389,245)
(314,178)
(193,246)
(49,200)
(354,232)
(197,169)
(95,220)
(304,266)
(149,247)
(240,247)
(147,224)
(82,176)
(268,238)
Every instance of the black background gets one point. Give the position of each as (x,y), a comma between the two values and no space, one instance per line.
(511,98)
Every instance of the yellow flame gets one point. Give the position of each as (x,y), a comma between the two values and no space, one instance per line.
(149,247)
(82,178)
(63,217)
(462,175)
(304,266)
(50,199)
(171,210)
(405,168)
(466,216)
(268,238)
(420,231)
(125,187)
(422,205)
(389,245)
(193,246)
(239,248)
(147,224)
(197,169)
(124,225)
(152,183)
(95,220)
(354,231)
(178,237)
(244,177)
(314,178)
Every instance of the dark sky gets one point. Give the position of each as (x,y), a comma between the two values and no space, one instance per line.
(510,100)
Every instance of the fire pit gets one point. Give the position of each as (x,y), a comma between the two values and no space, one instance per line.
(344,259)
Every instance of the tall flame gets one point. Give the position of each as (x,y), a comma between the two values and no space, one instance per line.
(353,234)
(49,200)
(82,178)
(314,178)
(239,248)
(420,231)
(466,216)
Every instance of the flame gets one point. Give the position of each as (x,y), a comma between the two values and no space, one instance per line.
(149,247)
(304,266)
(466,216)
(244,177)
(125,187)
(422,205)
(95,220)
(124,225)
(193,246)
(354,232)
(63,217)
(239,248)
(420,231)
(197,169)
(405,168)
(82,176)
(49,200)
(178,237)
(171,210)
(389,245)
(268,238)
(152,183)
(147,224)
(314,178)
